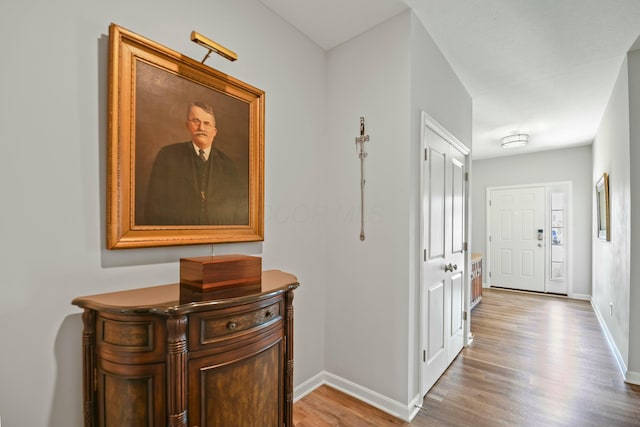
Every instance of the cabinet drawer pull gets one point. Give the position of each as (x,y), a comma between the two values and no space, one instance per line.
(268,314)
(232,325)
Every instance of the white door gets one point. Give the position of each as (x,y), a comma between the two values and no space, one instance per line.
(516,238)
(443,227)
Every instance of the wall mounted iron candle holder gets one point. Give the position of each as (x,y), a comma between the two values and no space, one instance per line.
(360,140)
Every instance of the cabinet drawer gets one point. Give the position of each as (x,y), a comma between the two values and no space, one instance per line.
(210,330)
(130,339)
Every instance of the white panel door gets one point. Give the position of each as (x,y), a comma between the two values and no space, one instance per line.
(443,207)
(457,254)
(516,238)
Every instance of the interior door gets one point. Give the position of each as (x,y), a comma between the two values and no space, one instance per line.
(443,207)
(516,238)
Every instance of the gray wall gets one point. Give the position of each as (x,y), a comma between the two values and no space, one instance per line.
(53,116)
(634,285)
(611,271)
(436,90)
(573,165)
(615,275)
(355,311)
(366,278)
(372,286)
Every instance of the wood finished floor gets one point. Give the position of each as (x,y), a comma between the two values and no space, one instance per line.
(535,361)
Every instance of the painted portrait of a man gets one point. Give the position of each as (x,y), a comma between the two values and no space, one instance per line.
(185,152)
(192,156)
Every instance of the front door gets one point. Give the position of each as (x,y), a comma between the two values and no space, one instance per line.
(443,226)
(516,238)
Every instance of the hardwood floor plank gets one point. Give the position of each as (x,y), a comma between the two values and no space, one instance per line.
(329,407)
(536,360)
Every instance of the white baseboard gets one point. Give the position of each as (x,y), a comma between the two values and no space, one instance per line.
(404,412)
(585,297)
(308,386)
(632,377)
(612,344)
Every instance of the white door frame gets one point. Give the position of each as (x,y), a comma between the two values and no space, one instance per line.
(429,122)
(565,186)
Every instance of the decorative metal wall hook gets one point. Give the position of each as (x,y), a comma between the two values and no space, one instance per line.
(360,140)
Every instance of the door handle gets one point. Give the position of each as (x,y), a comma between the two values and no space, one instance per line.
(450,267)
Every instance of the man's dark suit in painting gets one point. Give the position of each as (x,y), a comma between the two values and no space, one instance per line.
(185,190)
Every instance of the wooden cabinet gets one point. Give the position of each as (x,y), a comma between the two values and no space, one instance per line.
(476,279)
(151,360)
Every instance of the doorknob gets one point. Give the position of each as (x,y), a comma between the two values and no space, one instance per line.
(450,267)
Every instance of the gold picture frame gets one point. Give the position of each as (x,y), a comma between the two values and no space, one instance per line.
(602,201)
(153,91)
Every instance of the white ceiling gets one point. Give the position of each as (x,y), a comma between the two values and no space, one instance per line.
(543,67)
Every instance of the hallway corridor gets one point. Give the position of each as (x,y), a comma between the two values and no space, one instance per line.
(535,361)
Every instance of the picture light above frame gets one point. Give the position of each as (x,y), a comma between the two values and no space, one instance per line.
(212,47)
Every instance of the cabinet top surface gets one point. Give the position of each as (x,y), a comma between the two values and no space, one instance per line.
(165,299)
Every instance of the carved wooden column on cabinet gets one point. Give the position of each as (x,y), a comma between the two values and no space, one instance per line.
(89,367)
(177,370)
(151,360)
(289,358)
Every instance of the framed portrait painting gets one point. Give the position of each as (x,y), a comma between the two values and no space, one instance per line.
(185,149)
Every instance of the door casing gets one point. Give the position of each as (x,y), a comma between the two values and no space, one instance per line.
(428,122)
(564,187)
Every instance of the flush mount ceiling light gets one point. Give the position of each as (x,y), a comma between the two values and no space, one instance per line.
(515,140)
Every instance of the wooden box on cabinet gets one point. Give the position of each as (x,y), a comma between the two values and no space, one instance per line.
(220,272)
(150,361)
